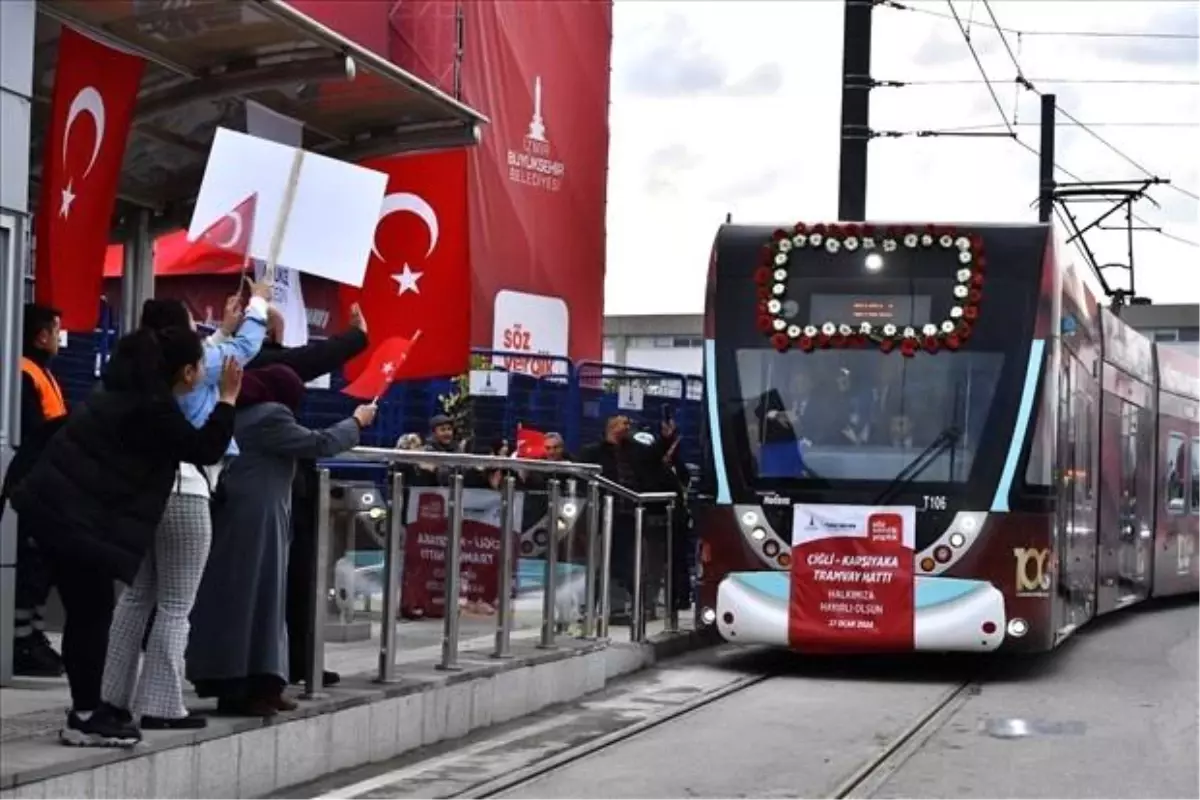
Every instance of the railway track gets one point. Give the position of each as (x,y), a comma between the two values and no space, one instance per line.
(860,783)
(850,724)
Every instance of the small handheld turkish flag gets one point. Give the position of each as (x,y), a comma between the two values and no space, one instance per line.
(385,366)
(225,244)
(530,443)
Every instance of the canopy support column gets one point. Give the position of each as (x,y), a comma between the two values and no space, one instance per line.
(137,274)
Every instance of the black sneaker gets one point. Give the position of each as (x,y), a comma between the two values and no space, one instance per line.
(328,678)
(33,657)
(106,727)
(190,722)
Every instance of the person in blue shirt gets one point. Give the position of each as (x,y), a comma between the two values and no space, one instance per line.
(169,576)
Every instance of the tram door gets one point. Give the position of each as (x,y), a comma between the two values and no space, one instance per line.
(1075,531)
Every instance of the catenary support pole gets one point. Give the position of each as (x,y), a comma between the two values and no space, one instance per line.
(1046,160)
(856,111)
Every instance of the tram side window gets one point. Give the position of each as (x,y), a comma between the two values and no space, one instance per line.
(1195,461)
(1175,469)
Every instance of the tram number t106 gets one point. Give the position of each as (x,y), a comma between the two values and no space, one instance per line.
(933,502)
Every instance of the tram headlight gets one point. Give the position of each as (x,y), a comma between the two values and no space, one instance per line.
(873,262)
(708,616)
(1017,627)
(758,534)
(749,519)
(568,510)
(957,540)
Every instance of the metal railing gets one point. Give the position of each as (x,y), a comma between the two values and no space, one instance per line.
(597,578)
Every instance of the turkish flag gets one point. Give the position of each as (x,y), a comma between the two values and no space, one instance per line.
(386,365)
(530,443)
(91,109)
(418,281)
(223,246)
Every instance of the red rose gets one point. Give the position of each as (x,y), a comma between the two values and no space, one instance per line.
(822,340)
(886,345)
(948,230)
(907,229)
(781,342)
(868,229)
(767,256)
(837,340)
(908,348)
(893,232)
(835,231)
(952,342)
(976,242)
(970,313)
(806,343)
(974,296)
(854,229)
(819,228)
(779,234)
(964,331)
(980,264)
(931,344)
(762,275)
(764,293)
(977,280)
(800,228)
(931,230)
(764,323)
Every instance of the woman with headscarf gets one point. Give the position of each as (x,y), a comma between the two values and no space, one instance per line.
(238,647)
(99,491)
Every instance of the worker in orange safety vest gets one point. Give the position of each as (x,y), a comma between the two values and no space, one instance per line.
(43,412)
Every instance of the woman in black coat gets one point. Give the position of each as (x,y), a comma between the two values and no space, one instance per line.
(99,490)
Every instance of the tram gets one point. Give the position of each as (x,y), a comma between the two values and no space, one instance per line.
(933,437)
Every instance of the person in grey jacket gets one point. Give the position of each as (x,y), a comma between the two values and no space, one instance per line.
(238,648)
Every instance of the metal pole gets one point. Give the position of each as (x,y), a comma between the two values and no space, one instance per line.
(504,600)
(550,582)
(314,681)
(453,567)
(672,613)
(593,534)
(635,618)
(856,110)
(1046,160)
(391,586)
(605,569)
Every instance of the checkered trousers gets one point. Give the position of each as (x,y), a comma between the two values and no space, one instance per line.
(168,580)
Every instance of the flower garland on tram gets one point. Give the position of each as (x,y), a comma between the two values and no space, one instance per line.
(774,271)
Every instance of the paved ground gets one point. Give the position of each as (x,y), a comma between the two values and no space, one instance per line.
(1113,715)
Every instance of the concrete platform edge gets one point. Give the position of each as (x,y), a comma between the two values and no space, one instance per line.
(360,722)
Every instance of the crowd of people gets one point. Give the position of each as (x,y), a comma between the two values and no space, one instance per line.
(176,477)
(655,465)
(186,477)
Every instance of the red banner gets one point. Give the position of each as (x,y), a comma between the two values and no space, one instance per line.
(852,578)
(422,586)
(540,72)
(95,90)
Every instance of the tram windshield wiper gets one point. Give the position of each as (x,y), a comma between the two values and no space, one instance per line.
(913,469)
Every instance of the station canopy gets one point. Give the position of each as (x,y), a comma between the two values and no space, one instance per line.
(205,59)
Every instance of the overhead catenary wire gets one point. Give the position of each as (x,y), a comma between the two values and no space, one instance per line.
(1008,125)
(1023,81)
(1078,34)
